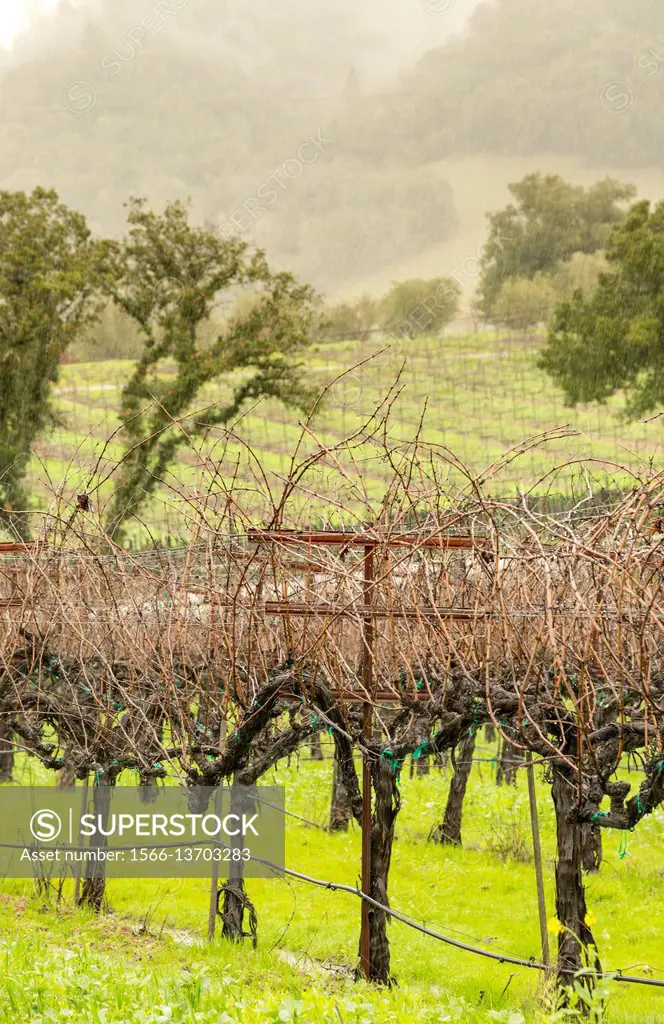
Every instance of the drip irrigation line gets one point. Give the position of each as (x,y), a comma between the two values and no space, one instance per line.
(324,828)
(277,869)
(291,814)
(477,950)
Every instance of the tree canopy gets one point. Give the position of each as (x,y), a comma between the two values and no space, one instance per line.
(614,338)
(169,277)
(419,307)
(548,223)
(49,280)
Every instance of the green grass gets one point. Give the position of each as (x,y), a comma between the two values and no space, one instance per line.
(147,961)
(483,394)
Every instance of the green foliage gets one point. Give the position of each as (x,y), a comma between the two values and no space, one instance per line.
(412,308)
(353,319)
(522,303)
(549,222)
(419,307)
(49,275)
(581,1001)
(169,277)
(612,339)
(580,273)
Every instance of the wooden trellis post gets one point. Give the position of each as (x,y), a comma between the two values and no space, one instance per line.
(367,679)
(537,853)
(214,875)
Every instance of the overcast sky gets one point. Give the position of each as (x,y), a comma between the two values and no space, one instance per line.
(14,16)
(412,26)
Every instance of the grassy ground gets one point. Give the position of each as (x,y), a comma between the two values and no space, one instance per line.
(483,394)
(147,961)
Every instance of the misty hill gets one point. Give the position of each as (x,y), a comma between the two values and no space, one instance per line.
(527,78)
(104,100)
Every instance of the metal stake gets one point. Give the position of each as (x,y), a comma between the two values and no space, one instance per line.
(537,851)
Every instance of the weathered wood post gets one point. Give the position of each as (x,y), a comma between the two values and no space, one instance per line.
(537,854)
(367,679)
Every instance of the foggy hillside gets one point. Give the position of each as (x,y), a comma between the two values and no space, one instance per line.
(573,79)
(101,100)
(325,132)
(292,42)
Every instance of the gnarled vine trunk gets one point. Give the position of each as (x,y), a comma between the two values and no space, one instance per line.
(508,762)
(66,776)
(591,847)
(341,811)
(449,831)
(346,797)
(386,807)
(236,901)
(93,891)
(316,748)
(576,945)
(236,904)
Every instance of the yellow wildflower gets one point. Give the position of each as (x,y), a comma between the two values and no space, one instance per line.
(554,926)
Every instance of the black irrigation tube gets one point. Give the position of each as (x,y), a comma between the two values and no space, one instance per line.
(292,814)
(501,958)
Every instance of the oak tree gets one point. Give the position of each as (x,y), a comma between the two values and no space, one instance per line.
(50,271)
(614,338)
(171,277)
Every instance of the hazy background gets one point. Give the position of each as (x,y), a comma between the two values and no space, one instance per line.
(431,107)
